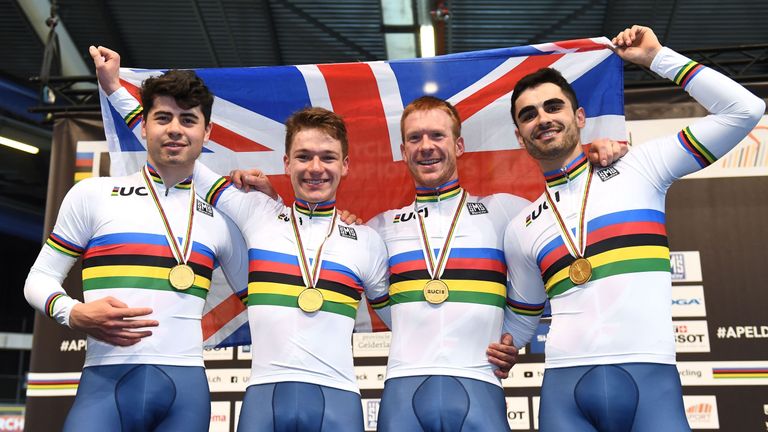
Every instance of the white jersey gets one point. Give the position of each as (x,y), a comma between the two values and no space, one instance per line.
(288,343)
(623,314)
(449,338)
(113,223)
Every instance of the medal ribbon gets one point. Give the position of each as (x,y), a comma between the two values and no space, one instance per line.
(310,278)
(436,269)
(565,233)
(180,254)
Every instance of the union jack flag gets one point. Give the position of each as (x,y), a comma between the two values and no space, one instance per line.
(252,103)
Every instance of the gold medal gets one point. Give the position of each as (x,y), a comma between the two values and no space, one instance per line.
(580,271)
(310,300)
(182,277)
(436,291)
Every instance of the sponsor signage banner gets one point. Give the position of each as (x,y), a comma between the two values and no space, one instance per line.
(518,414)
(701,412)
(371,344)
(220,419)
(688,301)
(686,266)
(691,336)
(370,413)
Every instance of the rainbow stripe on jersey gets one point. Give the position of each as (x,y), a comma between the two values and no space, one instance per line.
(138,260)
(214,193)
(630,241)
(274,278)
(61,245)
(473,275)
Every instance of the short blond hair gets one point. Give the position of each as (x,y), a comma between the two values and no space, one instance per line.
(429,103)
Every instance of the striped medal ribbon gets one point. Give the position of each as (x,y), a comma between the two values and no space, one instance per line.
(181,276)
(435,290)
(310,299)
(580,270)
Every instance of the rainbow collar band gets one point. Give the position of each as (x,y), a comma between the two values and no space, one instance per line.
(570,171)
(155,176)
(443,192)
(323,209)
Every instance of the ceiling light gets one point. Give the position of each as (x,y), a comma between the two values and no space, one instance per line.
(19,145)
(430,87)
(427,39)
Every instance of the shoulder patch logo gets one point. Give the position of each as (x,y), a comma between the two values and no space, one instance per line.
(607,173)
(347,232)
(476,208)
(283,217)
(204,207)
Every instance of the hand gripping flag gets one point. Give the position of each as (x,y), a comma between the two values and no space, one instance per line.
(252,104)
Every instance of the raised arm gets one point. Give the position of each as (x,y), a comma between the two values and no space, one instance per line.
(734,110)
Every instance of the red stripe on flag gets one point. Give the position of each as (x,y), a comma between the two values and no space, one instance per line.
(219,316)
(132,89)
(581,45)
(234,141)
(505,84)
(372,179)
(377,325)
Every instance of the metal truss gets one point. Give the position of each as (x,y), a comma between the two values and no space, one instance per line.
(746,64)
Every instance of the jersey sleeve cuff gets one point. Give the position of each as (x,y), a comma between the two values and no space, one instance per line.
(128,107)
(59,306)
(673,66)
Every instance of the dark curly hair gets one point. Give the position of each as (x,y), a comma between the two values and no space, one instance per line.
(184,86)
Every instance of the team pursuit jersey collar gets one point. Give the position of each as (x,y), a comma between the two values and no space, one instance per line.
(445,191)
(155,176)
(570,171)
(321,209)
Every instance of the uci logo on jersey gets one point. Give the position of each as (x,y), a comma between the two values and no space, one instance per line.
(405,217)
(537,212)
(128,191)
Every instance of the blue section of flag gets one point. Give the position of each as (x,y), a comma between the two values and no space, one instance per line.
(600,91)
(241,336)
(274,92)
(446,78)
